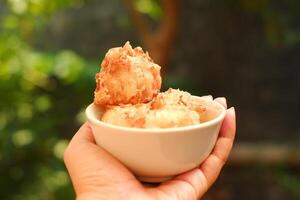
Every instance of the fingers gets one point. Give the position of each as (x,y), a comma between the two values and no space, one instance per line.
(208,97)
(222,101)
(189,185)
(81,142)
(212,166)
(84,134)
(80,148)
(82,152)
(88,164)
(228,127)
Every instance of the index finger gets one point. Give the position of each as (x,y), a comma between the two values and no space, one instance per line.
(212,166)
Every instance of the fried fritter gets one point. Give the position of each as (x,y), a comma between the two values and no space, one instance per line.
(128,115)
(173,108)
(127,76)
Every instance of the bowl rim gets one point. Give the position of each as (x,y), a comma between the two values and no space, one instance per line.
(91,107)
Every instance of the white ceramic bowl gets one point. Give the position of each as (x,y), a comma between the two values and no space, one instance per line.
(155,155)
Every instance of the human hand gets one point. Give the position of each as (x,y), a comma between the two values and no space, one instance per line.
(96,174)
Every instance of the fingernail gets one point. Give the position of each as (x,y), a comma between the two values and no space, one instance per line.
(231,110)
(223,99)
(208,97)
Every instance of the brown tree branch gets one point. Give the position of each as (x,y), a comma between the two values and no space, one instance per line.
(139,21)
(266,154)
(165,35)
(158,42)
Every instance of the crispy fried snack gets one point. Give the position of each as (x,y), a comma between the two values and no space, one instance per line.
(173,108)
(127,115)
(177,97)
(171,116)
(127,76)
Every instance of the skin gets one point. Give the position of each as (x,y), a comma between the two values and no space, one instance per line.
(96,174)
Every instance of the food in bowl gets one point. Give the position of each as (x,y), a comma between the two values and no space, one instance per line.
(127,76)
(156,155)
(128,88)
(157,135)
(173,108)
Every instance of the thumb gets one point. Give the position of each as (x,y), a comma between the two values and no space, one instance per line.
(88,164)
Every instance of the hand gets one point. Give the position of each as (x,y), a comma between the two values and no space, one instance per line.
(96,174)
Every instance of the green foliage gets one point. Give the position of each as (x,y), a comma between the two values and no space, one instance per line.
(288,179)
(40,7)
(43,95)
(149,7)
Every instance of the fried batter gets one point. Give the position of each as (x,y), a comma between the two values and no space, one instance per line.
(127,76)
(171,116)
(177,98)
(173,108)
(128,88)
(128,115)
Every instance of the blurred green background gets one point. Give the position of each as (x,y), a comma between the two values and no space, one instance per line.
(246,50)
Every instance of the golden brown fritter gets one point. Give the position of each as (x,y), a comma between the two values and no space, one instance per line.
(127,115)
(173,108)
(127,76)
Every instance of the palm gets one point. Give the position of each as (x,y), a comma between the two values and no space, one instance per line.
(95,172)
